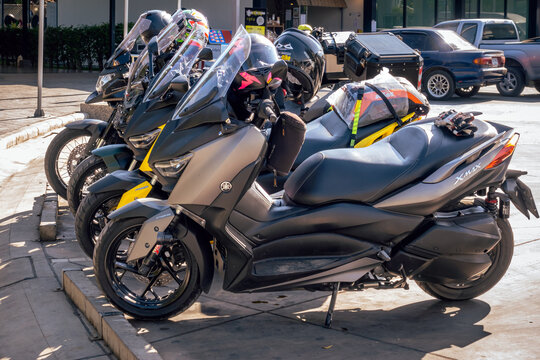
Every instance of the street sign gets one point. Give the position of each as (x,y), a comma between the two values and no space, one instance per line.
(255,20)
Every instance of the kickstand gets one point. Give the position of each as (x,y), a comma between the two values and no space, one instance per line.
(330,313)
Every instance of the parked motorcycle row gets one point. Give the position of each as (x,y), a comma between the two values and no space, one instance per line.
(360,190)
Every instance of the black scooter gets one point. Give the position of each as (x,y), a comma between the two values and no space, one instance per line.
(421,204)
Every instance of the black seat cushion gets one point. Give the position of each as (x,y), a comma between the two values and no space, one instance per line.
(367,174)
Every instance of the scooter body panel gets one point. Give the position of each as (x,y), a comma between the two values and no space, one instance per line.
(115,156)
(118,180)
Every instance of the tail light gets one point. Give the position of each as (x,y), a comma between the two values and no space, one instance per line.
(505,152)
(485,61)
(419,86)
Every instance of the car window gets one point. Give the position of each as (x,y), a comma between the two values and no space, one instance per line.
(455,41)
(449,26)
(499,32)
(468,31)
(415,40)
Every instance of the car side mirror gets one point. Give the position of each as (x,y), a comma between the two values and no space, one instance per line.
(179,84)
(206,54)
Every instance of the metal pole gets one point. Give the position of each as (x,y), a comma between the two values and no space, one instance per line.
(237,13)
(39,111)
(126,9)
(179,4)
(112,18)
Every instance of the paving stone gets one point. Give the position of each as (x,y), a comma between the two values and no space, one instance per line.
(15,270)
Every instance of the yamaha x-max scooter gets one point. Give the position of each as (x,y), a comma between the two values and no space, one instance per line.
(359,117)
(348,218)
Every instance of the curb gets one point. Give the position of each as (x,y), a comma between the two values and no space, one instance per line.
(111,325)
(40,128)
(47,223)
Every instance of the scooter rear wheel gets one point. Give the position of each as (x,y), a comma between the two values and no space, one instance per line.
(64,153)
(86,173)
(501,256)
(171,286)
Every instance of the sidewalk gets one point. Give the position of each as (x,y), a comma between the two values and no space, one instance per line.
(62,95)
(38,320)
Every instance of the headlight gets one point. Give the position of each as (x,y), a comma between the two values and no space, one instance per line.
(145,140)
(102,80)
(172,168)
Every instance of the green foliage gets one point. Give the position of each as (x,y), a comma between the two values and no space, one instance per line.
(81,47)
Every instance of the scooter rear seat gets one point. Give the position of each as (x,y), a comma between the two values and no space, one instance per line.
(367,174)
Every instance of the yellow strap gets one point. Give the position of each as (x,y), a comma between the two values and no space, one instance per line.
(355,122)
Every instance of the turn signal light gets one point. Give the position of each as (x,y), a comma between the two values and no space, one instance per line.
(505,152)
(483,61)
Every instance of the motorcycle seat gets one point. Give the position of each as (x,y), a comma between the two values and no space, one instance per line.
(367,174)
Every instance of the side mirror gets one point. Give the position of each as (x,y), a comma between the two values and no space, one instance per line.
(206,54)
(153,46)
(278,73)
(179,84)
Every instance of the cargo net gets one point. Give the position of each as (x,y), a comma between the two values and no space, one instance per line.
(360,104)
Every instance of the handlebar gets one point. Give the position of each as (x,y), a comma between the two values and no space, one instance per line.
(266,110)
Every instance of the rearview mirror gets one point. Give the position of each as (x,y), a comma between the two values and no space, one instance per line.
(278,73)
(179,84)
(206,54)
(153,46)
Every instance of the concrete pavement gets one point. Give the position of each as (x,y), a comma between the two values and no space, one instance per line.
(501,324)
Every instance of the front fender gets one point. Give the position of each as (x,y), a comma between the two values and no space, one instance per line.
(160,215)
(118,180)
(115,156)
(94,98)
(95,127)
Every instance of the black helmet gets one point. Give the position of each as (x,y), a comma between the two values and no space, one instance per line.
(255,73)
(158,20)
(305,57)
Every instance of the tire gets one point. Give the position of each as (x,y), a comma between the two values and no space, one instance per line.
(91,218)
(467,92)
(513,83)
(439,85)
(501,258)
(107,258)
(86,173)
(69,145)
(537,85)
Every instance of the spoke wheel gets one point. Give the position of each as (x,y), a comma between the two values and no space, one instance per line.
(513,83)
(64,153)
(170,287)
(87,172)
(500,255)
(439,85)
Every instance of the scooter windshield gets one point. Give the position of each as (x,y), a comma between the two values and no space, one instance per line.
(129,41)
(215,83)
(137,72)
(180,64)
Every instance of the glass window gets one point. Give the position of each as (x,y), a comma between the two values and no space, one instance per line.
(420,13)
(493,9)
(389,14)
(471,9)
(416,41)
(455,41)
(450,26)
(499,32)
(445,10)
(468,32)
(518,11)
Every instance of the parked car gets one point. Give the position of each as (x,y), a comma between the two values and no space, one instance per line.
(522,58)
(452,64)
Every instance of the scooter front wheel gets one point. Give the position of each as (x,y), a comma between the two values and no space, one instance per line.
(501,256)
(64,153)
(170,287)
(91,218)
(86,173)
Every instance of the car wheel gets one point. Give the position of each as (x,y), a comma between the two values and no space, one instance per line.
(468,91)
(439,85)
(512,84)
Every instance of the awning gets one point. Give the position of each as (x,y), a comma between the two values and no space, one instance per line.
(323,3)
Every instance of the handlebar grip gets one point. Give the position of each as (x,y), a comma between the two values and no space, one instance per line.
(269,112)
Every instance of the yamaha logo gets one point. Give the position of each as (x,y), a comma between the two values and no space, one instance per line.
(226,186)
